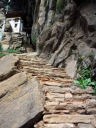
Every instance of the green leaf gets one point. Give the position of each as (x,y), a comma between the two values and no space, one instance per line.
(77,82)
(93,83)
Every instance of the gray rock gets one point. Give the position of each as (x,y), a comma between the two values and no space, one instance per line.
(8,66)
(62,125)
(85,125)
(21,107)
(67,33)
(11,83)
(17,41)
(71,67)
(89,12)
(83,49)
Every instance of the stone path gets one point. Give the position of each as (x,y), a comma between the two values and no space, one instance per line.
(21,99)
(66,106)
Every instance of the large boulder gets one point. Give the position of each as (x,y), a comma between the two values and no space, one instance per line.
(11,83)
(22,106)
(8,66)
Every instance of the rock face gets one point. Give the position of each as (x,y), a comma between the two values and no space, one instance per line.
(23,106)
(43,15)
(65,33)
(15,80)
(8,66)
(17,41)
(71,66)
(21,99)
(65,105)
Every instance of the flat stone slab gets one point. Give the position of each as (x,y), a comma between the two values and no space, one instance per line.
(57,118)
(12,82)
(22,106)
(62,125)
(7,66)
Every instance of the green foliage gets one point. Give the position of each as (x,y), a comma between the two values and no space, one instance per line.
(13,51)
(1,49)
(85,72)
(8,51)
(84,83)
(60,5)
(2,54)
(85,79)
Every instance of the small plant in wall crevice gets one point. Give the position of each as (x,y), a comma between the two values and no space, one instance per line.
(84,79)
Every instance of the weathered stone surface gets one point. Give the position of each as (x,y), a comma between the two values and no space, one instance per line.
(89,12)
(65,105)
(73,35)
(68,95)
(43,16)
(18,41)
(91,110)
(91,103)
(8,66)
(55,118)
(71,66)
(22,106)
(80,125)
(11,83)
(65,125)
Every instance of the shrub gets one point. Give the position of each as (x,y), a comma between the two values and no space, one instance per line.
(9,51)
(13,51)
(85,79)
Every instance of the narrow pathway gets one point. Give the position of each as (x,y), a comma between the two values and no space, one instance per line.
(66,106)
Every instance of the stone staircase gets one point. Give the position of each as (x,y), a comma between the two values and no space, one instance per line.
(65,106)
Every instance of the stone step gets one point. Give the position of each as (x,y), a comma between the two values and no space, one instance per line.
(66,106)
(61,125)
(57,118)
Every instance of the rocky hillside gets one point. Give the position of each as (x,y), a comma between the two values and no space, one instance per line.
(37,89)
(65,31)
